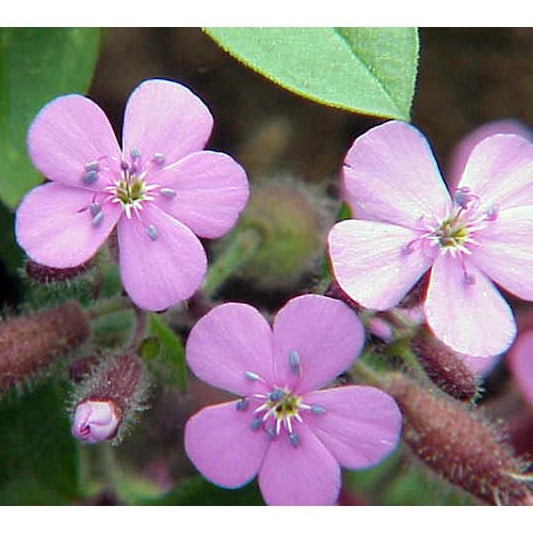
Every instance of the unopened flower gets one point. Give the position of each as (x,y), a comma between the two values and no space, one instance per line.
(282,428)
(408,222)
(30,343)
(161,191)
(95,421)
(108,399)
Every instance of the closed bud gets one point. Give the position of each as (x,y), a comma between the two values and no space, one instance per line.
(444,366)
(460,446)
(44,274)
(292,223)
(31,342)
(108,399)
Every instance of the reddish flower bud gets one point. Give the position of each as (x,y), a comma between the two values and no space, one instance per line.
(462,447)
(107,398)
(444,366)
(30,343)
(44,274)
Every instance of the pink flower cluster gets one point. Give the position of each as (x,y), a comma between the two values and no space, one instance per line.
(407,222)
(160,191)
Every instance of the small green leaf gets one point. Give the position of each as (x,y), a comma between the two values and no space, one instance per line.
(38,456)
(171,354)
(36,65)
(198,491)
(366,70)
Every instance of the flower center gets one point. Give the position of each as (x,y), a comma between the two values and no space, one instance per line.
(279,408)
(129,186)
(456,233)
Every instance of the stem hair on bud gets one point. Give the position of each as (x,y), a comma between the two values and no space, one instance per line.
(461,446)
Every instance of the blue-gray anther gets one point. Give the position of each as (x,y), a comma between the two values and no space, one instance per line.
(90,177)
(294,439)
(270,431)
(317,409)
(470,279)
(135,153)
(153,232)
(93,165)
(158,158)
(169,193)
(462,196)
(256,424)
(276,395)
(294,362)
(98,218)
(242,404)
(94,208)
(251,376)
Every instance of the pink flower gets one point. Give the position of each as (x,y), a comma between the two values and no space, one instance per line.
(408,223)
(294,436)
(160,191)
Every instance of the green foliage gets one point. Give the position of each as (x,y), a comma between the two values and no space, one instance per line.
(366,70)
(36,65)
(169,365)
(38,456)
(198,491)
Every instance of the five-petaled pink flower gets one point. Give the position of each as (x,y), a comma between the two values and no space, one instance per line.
(294,436)
(161,191)
(408,222)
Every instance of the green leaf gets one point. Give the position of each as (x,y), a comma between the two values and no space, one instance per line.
(366,70)
(171,355)
(38,456)
(36,65)
(198,491)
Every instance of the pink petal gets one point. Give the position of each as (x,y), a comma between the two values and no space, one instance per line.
(223,447)
(67,134)
(480,366)
(360,427)
(370,264)
(229,341)
(505,253)
(471,318)
(55,227)
(164,117)
(500,172)
(325,333)
(520,359)
(303,475)
(211,191)
(462,151)
(161,261)
(390,175)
